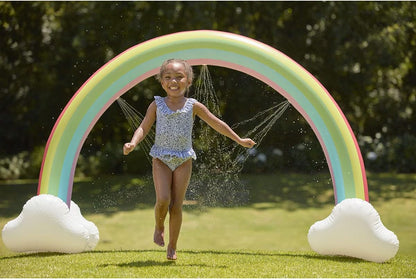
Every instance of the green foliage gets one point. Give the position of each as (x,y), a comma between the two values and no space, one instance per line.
(362,52)
(402,154)
(14,167)
(109,160)
(22,165)
(393,154)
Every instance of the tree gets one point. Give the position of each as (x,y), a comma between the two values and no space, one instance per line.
(362,52)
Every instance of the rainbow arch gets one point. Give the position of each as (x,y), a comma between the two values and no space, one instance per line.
(216,48)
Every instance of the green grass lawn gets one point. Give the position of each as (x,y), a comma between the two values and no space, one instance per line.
(265,237)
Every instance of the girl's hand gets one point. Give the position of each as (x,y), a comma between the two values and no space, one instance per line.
(249,143)
(128,147)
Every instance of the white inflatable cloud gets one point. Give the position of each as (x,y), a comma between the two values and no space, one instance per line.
(354,229)
(46,224)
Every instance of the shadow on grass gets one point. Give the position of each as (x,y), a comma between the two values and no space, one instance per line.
(289,191)
(307,255)
(146,262)
(14,196)
(386,186)
(34,255)
(104,195)
(140,264)
(108,195)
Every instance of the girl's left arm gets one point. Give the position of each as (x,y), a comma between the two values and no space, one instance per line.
(220,126)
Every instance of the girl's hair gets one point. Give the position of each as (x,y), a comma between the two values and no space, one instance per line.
(188,69)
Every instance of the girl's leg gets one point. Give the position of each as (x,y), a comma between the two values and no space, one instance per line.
(162,178)
(180,182)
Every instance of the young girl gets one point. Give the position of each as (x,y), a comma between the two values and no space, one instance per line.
(172,151)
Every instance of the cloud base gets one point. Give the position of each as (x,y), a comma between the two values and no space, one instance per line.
(46,224)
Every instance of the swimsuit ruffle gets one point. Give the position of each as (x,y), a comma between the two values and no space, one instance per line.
(163,153)
(161,104)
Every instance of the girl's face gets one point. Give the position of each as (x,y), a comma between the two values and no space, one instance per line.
(174,80)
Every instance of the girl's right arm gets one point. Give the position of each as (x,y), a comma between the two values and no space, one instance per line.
(144,128)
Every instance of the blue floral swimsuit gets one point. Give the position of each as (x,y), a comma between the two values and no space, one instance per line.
(173,140)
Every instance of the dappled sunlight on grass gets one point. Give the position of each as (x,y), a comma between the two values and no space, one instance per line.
(386,186)
(291,191)
(288,191)
(14,196)
(114,193)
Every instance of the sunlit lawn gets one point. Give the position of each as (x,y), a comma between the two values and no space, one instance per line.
(266,237)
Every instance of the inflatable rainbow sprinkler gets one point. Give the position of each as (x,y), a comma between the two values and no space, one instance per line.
(353,228)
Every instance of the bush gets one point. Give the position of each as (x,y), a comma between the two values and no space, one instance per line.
(380,154)
(15,166)
(110,160)
(23,165)
(401,154)
(389,154)
(137,163)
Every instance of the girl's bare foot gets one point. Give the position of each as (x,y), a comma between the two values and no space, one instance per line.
(158,237)
(171,254)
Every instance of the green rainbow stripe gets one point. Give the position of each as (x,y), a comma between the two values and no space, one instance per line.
(233,51)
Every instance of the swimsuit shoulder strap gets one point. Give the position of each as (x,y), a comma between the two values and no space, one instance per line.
(161,105)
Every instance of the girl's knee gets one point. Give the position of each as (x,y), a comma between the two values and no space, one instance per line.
(175,208)
(162,202)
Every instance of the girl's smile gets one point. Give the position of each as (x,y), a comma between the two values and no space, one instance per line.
(174,79)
